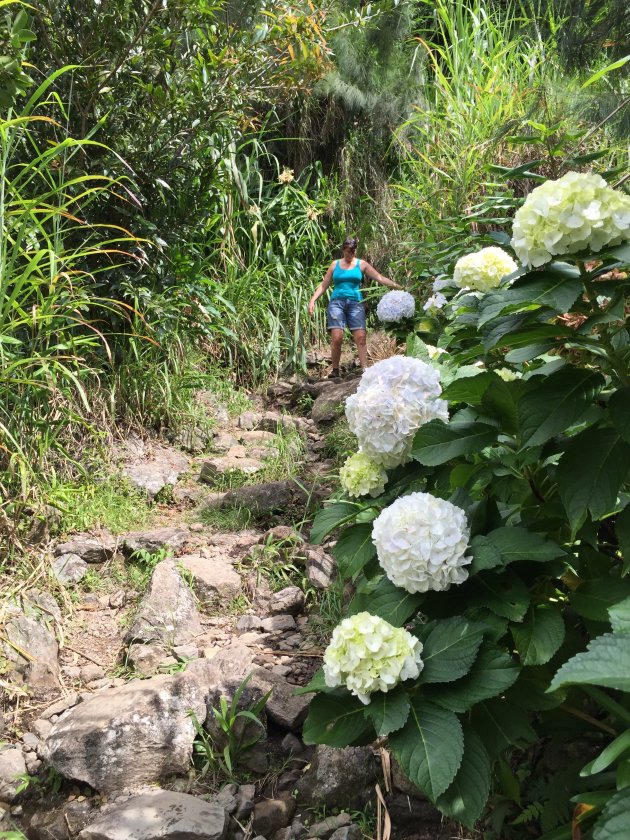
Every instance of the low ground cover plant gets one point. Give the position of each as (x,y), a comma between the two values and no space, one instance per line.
(487,519)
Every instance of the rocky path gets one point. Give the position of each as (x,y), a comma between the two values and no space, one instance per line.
(113,718)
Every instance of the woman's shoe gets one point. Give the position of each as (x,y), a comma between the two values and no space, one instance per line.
(334,374)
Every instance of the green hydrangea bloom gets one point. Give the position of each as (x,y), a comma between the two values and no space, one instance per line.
(361,476)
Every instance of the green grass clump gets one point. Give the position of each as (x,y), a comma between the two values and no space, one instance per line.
(111,504)
(340,442)
(226,519)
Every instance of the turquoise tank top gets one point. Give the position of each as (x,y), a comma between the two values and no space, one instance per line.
(346,281)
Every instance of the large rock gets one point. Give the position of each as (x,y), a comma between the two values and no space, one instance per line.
(92,548)
(155,540)
(321,568)
(283,707)
(160,815)
(164,467)
(214,578)
(289,600)
(271,497)
(69,568)
(167,612)
(331,401)
(131,735)
(12,769)
(342,778)
(30,645)
(222,464)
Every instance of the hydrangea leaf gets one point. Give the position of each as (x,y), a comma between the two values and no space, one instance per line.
(389,710)
(436,442)
(619,407)
(329,518)
(508,545)
(620,616)
(387,601)
(429,747)
(450,649)
(606,662)
(594,598)
(501,401)
(545,288)
(354,549)
(540,635)
(492,673)
(316,683)
(469,389)
(337,720)
(530,351)
(506,595)
(557,403)
(465,799)
(501,725)
(530,691)
(614,822)
(590,473)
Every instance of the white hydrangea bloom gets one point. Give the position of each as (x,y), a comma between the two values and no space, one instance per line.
(395,397)
(506,374)
(361,476)
(436,301)
(368,654)
(394,306)
(483,270)
(421,543)
(576,212)
(440,283)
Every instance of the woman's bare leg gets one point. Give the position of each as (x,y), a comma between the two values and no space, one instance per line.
(360,339)
(336,340)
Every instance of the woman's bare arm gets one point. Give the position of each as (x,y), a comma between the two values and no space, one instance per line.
(373,274)
(319,291)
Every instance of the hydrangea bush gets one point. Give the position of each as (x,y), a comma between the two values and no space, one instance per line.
(395,397)
(361,476)
(367,654)
(395,306)
(510,484)
(483,270)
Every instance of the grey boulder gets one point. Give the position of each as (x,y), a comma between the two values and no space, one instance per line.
(160,815)
(131,735)
(167,613)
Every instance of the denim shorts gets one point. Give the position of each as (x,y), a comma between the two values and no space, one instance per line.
(346,312)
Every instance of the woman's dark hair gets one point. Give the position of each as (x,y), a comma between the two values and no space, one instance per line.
(350,242)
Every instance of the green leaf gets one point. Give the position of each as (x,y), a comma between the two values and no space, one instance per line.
(387,601)
(615,65)
(354,549)
(557,403)
(538,288)
(594,598)
(501,401)
(606,662)
(336,720)
(608,755)
(508,545)
(429,747)
(450,649)
(466,797)
(506,595)
(619,407)
(316,683)
(329,518)
(437,442)
(540,635)
(620,616)
(590,473)
(614,822)
(501,725)
(529,352)
(389,710)
(622,530)
(493,672)
(469,389)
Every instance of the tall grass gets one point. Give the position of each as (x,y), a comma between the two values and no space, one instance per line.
(52,318)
